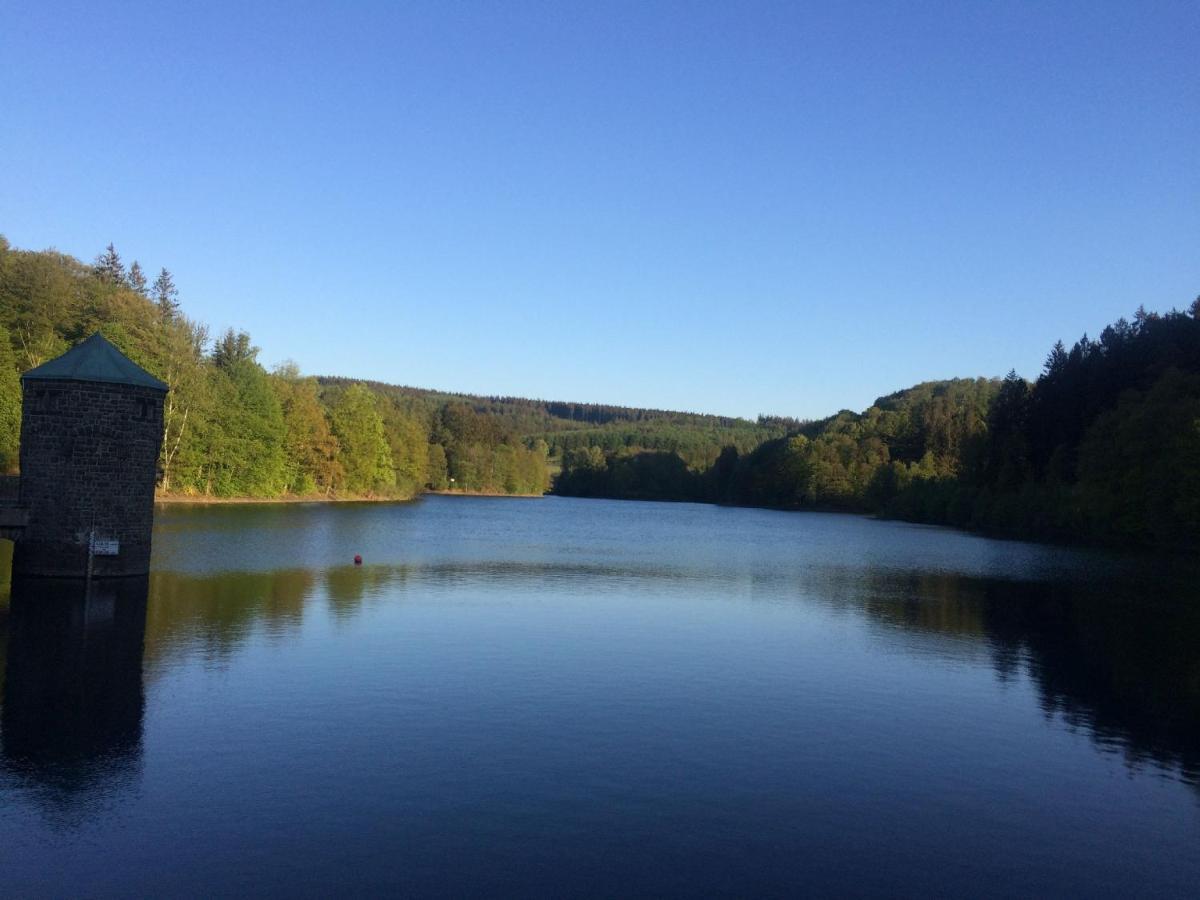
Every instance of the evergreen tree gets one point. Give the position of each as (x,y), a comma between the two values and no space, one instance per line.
(137,279)
(232,348)
(109,268)
(1007,465)
(1139,466)
(165,295)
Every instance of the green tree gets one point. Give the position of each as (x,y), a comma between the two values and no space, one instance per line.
(109,268)
(251,457)
(1140,466)
(137,279)
(181,364)
(311,450)
(10,405)
(232,348)
(40,303)
(246,434)
(166,295)
(365,454)
(437,475)
(1008,462)
(408,440)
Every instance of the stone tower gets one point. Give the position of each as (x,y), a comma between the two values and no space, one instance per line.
(91,429)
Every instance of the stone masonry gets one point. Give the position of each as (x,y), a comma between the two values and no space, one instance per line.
(89,457)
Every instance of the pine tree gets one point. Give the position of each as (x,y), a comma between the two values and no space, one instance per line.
(166,295)
(109,267)
(232,348)
(1056,361)
(137,278)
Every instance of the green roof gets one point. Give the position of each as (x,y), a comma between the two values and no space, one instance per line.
(95,360)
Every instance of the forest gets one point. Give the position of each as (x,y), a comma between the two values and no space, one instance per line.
(232,428)
(836,463)
(1103,447)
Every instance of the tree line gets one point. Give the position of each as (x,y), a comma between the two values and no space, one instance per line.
(834,463)
(696,437)
(232,428)
(1103,446)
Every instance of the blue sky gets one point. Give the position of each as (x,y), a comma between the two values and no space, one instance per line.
(735,208)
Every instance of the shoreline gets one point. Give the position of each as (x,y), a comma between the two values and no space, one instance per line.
(208,500)
(482,494)
(202,500)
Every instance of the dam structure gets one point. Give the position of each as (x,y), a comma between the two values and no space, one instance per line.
(91,431)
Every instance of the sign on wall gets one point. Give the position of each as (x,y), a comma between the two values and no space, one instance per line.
(105,546)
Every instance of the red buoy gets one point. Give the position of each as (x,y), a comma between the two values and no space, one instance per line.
(357,560)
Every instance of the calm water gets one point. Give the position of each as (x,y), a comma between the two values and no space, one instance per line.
(590,697)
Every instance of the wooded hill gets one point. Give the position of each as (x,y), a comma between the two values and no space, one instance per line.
(696,437)
(233,429)
(923,431)
(1104,446)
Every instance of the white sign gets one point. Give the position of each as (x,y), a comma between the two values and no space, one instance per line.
(105,546)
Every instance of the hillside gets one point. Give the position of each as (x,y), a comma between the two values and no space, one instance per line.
(696,437)
(1105,445)
(234,429)
(829,464)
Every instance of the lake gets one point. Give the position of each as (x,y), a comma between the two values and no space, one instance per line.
(593,697)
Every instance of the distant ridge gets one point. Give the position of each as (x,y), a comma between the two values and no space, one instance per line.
(569,411)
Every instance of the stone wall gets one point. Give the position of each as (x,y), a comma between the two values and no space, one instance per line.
(89,457)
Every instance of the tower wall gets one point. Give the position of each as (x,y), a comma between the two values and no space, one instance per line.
(89,459)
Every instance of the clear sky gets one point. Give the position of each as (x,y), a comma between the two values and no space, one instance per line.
(736,208)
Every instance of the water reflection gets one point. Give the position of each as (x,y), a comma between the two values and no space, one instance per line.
(1112,657)
(1115,657)
(638,697)
(1112,660)
(71,722)
(213,615)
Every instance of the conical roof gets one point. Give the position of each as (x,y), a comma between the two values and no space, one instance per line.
(95,360)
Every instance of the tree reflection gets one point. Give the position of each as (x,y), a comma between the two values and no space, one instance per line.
(218,612)
(348,587)
(1116,657)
